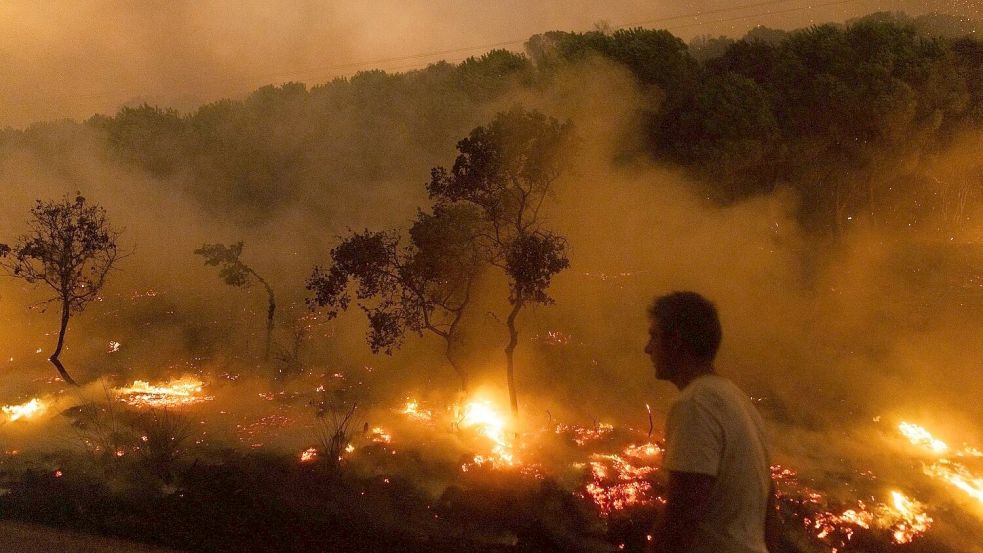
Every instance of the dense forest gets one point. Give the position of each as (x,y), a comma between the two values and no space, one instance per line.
(857,118)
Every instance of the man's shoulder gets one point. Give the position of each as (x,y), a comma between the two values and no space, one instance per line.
(714,392)
(711,384)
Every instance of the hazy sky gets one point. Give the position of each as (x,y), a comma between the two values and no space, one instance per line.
(75,58)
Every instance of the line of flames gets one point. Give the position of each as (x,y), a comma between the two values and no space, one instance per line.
(179,392)
(951,472)
(27,410)
(903,518)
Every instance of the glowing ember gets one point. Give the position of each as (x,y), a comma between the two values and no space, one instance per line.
(554,338)
(24,410)
(642,451)
(903,518)
(617,484)
(583,435)
(176,393)
(412,410)
(308,455)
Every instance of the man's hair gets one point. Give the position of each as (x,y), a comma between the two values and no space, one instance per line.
(693,317)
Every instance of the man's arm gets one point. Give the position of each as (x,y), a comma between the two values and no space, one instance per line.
(773,524)
(686,506)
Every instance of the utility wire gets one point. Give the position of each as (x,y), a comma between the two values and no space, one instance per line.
(686,25)
(488,46)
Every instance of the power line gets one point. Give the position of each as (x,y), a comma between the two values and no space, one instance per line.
(522,41)
(708,12)
(487,46)
(779,12)
(700,23)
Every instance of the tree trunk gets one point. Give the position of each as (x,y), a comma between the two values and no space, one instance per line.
(270,312)
(65,313)
(269,332)
(510,363)
(461,372)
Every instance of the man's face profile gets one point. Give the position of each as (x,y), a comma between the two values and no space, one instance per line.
(656,350)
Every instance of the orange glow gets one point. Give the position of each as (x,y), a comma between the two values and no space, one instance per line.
(179,392)
(952,473)
(920,437)
(412,410)
(617,484)
(308,455)
(377,435)
(911,520)
(958,476)
(481,416)
(26,410)
(903,517)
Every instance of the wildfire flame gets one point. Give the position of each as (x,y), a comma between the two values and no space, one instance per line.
(379,436)
(308,455)
(26,410)
(918,436)
(903,518)
(412,410)
(179,392)
(954,474)
(481,416)
(911,521)
(958,476)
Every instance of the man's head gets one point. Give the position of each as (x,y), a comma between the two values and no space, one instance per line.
(684,333)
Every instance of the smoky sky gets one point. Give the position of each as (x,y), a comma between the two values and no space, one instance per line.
(74,59)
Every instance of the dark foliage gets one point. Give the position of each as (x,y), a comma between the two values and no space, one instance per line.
(422,286)
(825,110)
(505,173)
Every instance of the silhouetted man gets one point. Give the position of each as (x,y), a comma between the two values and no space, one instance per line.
(720,490)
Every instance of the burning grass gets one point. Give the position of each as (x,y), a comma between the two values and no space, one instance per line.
(467,457)
(24,411)
(179,392)
(953,473)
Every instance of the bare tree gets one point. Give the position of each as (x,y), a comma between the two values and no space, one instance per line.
(71,247)
(236,273)
(335,426)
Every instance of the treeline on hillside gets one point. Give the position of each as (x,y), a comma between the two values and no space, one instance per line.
(849,115)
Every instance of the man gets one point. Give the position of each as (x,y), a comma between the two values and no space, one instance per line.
(720,492)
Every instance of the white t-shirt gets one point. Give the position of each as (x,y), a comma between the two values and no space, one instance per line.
(713,429)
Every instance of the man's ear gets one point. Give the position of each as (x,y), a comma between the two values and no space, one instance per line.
(675,340)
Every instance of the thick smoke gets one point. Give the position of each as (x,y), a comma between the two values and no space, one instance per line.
(73,60)
(826,336)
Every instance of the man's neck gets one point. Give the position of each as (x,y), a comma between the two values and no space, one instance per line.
(690,373)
